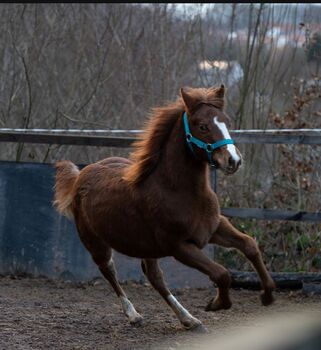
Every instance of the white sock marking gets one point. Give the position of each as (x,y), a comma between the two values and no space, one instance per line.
(226,135)
(184,316)
(173,301)
(129,310)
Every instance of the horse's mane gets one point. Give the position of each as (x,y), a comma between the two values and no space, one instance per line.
(148,148)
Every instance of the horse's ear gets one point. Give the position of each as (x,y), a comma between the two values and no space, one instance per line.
(189,101)
(221,91)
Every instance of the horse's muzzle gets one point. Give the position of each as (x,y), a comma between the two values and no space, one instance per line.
(233,165)
(226,162)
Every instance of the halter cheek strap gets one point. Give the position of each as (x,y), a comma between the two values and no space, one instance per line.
(208,147)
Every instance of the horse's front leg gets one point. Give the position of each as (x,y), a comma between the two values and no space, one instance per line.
(228,236)
(190,255)
(155,276)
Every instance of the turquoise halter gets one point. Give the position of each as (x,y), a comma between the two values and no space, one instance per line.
(208,147)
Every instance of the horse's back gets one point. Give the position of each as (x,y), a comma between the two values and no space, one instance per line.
(114,161)
(111,167)
(102,176)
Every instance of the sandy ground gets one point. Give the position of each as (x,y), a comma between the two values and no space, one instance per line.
(44,314)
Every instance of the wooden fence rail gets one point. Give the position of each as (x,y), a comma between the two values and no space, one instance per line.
(85,138)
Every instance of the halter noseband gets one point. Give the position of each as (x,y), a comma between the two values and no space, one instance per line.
(208,147)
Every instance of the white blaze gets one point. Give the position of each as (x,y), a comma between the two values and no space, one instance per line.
(226,135)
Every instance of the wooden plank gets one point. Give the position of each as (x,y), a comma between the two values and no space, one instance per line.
(241,136)
(284,132)
(288,280)
(269,214)
(261,138)
(73,131)
(79,140)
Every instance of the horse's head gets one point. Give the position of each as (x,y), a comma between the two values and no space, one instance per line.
(206,121)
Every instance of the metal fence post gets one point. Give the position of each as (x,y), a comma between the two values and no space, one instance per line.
(213,179)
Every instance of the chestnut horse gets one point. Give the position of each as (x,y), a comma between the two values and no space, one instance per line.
(160,203)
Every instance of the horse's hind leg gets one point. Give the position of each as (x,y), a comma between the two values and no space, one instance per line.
(107,268)
(228,236)
(102,256)
(155,276)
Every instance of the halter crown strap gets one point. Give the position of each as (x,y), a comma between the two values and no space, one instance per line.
(208,147)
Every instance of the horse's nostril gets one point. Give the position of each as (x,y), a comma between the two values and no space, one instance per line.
(231,162)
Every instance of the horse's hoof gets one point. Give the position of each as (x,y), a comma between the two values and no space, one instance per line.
(266,298)
(216,305)
(136,321)
(199,328)
(195,325)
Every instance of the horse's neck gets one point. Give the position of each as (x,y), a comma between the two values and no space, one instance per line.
(178,167)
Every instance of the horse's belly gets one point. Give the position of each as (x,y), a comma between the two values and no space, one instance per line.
(135,244)
(139,252)
(128,234)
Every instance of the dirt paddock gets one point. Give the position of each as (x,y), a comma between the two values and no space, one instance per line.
(45,314)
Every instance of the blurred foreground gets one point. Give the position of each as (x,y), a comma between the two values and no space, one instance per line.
(288,331)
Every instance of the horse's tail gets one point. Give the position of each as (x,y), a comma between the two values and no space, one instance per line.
(66,175)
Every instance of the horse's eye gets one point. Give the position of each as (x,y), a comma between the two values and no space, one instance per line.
(203,127)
